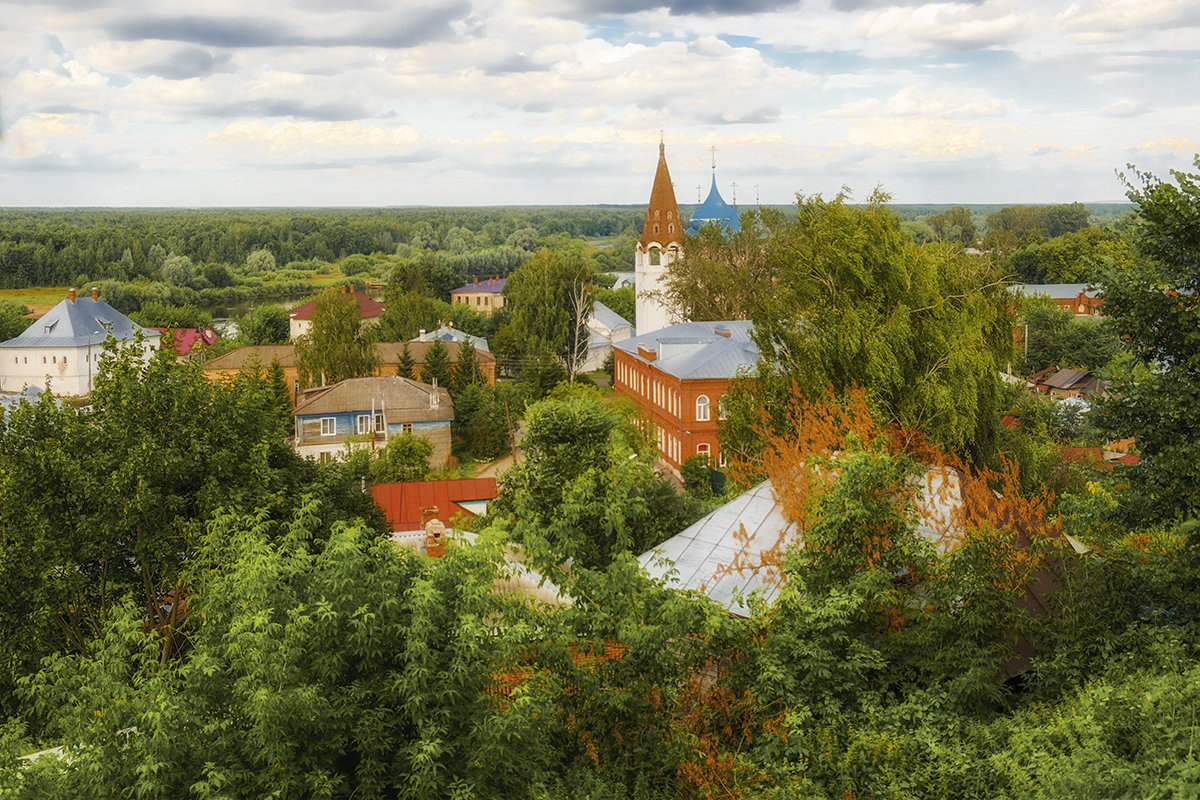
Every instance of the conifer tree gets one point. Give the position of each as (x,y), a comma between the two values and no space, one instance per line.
(466,371)
(405,366)
(437,364)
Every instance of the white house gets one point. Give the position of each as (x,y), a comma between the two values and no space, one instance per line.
(605,328)
(62,350)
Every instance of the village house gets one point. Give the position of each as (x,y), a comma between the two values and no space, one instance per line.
(63,349)
(370,311)
(1070,383)
(678,375)
(367,412)
(1073,297)
(605,328)
(485,296)
(189,341)
(448,333)
(227,366)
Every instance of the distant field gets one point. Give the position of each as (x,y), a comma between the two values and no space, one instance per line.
(39,300)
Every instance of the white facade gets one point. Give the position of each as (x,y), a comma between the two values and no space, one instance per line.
(651,312)
(62,351)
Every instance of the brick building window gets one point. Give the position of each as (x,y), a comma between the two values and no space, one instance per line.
(702,408)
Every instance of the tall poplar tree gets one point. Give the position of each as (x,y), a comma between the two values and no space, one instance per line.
(337,346)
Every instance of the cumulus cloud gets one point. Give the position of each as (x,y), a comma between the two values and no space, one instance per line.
(920,137)
(302,140)
(29,135)
(1125,107)
(542,100)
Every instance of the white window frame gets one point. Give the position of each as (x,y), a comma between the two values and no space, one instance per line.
(362,424)
(380,425)
(329,426)
(702,414)
(704,449)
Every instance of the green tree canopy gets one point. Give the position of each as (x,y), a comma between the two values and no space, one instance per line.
(725,276)
(13,319)
(922,329)
(403,458)
(549,302)
(1155,307)
(260,261)
(265,324)
(1055,337)
(337,345)
(954,225)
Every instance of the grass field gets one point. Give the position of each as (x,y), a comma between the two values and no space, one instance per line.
(39,299)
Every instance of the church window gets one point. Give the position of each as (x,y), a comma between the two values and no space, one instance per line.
(656,228)
(670,229)
(656,212)
(655,255)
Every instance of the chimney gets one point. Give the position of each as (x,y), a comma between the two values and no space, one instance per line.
(648,353)
(435,538)
(422,336)
(95,294)
(71,294)
(476,279)
(721,330)
(428,513)
(490,281)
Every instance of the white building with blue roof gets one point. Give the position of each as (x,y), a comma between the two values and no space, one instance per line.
(62,350)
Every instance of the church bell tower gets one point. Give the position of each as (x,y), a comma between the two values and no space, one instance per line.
(661,243)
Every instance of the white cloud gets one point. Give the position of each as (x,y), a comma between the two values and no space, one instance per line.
(304,139)
(1125,107)
(28,135)
(926,138)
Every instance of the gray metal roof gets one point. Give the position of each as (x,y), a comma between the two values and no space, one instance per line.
(448,334)
(78,324)
(609,318)
(11,402)
(696,350)
(742,530)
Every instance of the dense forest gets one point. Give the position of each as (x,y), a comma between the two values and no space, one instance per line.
(202,613)
(52,248)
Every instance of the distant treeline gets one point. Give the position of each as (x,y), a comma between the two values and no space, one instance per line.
(54,247)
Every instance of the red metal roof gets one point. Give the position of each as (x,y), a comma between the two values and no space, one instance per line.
(402,502)
(186,339)
(367,308)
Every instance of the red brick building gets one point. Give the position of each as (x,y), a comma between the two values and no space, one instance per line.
(1073,297)
(678,375)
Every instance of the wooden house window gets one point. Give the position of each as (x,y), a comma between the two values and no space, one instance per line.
(328,426)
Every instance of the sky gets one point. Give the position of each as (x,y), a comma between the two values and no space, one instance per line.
(553,102)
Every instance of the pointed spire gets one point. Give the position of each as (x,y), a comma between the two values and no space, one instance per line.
(663,224)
